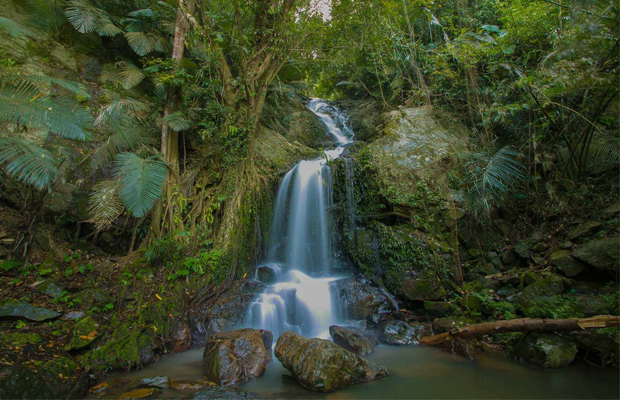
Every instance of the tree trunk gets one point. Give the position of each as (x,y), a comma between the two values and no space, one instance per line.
(169,137)
(524,325)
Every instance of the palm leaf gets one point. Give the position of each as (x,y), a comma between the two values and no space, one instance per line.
(125,138)
(61,116)
(177,121)
(83,16)
(142,181)
(141,43)
(105,205)
(131,76)
(28,163)
(15,29)
(71,86)
(119,109)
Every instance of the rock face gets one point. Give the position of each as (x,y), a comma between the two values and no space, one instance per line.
(182,338)
(401,333)
(18,308)
(539,292)
(19,382)
(353,339)
(545,349)
(567,264)
(220,393)
(418,288)
(237,356)
(602,254)
(323,366)
(361,300)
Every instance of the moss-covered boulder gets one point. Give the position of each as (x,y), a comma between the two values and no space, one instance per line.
(602,254)
(445,324)
(568,265)
(125,348)
(360,299)
(401,333)
(323,366)
(539,293)
(55,379)
(417,287)
(441,308)
(547,350)
(86,331)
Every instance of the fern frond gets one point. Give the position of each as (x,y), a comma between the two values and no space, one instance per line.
(142,182)
(131,76)
(177,121)
(61,116)
(70,86)
(28,163)
(105,205)
(14,28)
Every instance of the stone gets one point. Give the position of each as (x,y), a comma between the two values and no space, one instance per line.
(181,338)
(323,366)
(160,382)
(603,348)
(442,325)
(509,256)
(100,388)
(401,333)
(567,264)
(441,308)
(547,350)
(84,333)
(541,247)
(583,229)
(220,393)
(73,316)
(148,393)
(90,298)
(523,249)
(529,278)
(18,308)
(49,288)
(416,288)
(353,339)
(42,382)
(497,263)
(506,291)
(266,275)
(235,357)
(373,320)
(467,348)
(567,245)
(602,254)
(360,299)
(540,291)
(189,385)
(591,306)
(472,303)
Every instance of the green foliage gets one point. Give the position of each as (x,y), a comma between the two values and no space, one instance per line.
(14,28)
(9,265)
(142,182)
(105,205)
(28,163)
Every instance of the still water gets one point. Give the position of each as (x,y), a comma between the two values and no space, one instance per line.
(416,373)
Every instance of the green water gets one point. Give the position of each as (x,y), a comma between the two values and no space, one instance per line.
(417,373)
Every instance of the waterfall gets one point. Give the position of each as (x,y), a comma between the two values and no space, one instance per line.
(300,251)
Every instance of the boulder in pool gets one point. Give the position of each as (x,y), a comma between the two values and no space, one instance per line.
(547,350)
(236,356)
(400,333)
(323,366)
(353,339)
(361,299)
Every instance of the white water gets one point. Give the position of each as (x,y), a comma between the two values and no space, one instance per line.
(301,250)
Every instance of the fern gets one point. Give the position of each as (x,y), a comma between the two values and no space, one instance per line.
(105,205)
(28,163)
(15,29)
(494,176)
(142,181)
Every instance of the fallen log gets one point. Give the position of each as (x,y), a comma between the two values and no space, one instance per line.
(523,325)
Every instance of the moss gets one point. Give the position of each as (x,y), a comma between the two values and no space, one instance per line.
(61,367)
(85,332)
(127,348)
(21,339)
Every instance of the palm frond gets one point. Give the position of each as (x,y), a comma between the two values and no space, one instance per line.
(28,163)
(83,16)
(70,86)
(105,205)
(142,182)
(14,28)
(141,42)
(119,109)
(131,76)
(124,138)
(177,121)
(61,116)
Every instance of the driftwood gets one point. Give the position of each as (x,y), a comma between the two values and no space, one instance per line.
(523,325)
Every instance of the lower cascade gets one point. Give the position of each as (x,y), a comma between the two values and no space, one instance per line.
(299,257)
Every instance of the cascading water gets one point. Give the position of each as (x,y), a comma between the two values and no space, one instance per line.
(300,253)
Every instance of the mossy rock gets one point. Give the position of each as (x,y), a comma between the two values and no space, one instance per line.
(85,332)
(90,298)
(422,289)
(544,349)
(537,292)
(21,339)
(441,308)
(445,324)
(568,265)
(472,303)
(125,349)
(18,308)
(602,254)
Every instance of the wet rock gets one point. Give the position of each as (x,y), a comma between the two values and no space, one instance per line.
(401,333)
(182,337)
(602,254)
(441,308)
(266,274)
(591,306)
(467,348)
(148,393)
(18,308)
(601,348)
(360,299)
(84,333)
(234,357)
(583,229)
(50,288)
(323,366)
(417,288)
(73,316)
(544,349)
(100,388)
(567,264)
(160,382)
(220,393)
(373,320)
(90,298)
(353,339)
(509,256)
(189,385)
(442,325)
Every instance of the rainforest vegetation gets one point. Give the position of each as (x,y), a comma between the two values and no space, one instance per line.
(142,143)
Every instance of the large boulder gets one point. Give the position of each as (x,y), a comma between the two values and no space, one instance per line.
(236,356)
(602,254)
(401,333)
(353,339)
(539,293)
(547,350)
(323,366)
(568,265)
(361,300)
